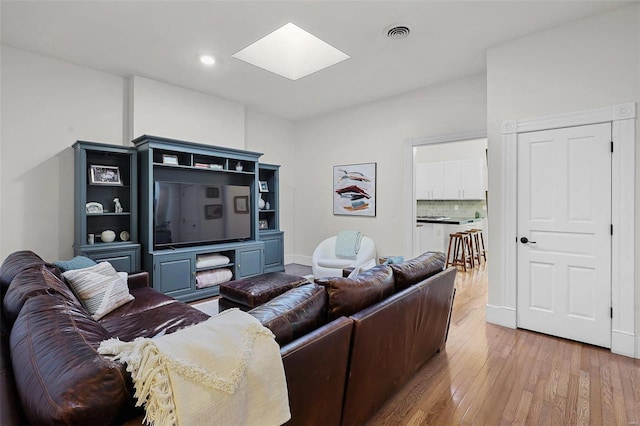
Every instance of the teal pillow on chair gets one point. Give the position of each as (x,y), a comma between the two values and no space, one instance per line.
(78,262)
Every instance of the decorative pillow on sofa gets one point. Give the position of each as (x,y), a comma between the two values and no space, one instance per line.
(100,288)
(350,295)
(415,270)
(78,262)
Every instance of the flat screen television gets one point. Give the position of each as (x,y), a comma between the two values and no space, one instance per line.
(195,213)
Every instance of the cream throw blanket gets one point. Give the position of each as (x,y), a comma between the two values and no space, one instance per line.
(224,371)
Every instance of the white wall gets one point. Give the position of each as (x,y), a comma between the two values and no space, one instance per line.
(375,132)
(161,109)
(464,150)
(275,137)
(46,106)
(587,64)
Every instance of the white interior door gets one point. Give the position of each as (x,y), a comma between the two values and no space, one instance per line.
(564,233)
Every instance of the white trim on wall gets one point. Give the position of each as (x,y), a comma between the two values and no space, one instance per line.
(623,279)
(409,182)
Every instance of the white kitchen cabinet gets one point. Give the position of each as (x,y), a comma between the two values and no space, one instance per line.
(429,181)
(450,180)
(451,188)
(471,179)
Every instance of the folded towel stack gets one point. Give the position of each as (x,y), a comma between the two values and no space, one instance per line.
(213,277)
(213,259)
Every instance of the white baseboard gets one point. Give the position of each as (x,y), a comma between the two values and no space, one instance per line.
(624,343)
(500,315)
(297,258)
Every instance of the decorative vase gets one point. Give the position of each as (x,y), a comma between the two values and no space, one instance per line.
(267,206)
(261,203)
(107,236)
(239,166)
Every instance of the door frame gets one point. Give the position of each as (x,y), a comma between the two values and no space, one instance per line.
(623,216)
(409,202)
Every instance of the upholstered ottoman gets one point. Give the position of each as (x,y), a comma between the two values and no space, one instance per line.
(250,292)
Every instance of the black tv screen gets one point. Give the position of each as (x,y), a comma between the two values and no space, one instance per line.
(196,213)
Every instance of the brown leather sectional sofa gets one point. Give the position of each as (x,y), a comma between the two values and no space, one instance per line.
(340,366)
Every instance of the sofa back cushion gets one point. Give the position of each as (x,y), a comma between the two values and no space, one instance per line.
(415,270)
(294,313)
(32,282)
(15,263)
(59,375)
(349,295)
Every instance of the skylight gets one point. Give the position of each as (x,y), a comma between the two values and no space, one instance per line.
(291,52)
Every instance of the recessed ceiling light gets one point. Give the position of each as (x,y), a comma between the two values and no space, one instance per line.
(207,59)
(291,52)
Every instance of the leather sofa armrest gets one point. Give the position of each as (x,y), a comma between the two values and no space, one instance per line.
(315,366)
(138,280)
(347,271)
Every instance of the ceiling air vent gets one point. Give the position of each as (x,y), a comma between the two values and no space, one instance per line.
(398,32)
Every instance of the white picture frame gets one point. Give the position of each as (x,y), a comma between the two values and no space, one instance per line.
(354,189)
(104,175)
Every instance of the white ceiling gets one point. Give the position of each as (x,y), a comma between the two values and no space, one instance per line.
(163,40)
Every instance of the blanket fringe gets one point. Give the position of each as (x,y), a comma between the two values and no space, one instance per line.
(149,369)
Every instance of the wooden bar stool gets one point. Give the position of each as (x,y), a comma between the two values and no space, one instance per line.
(458,251)
(469,246)
(478,241)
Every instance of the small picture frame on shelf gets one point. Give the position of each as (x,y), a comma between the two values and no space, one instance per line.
(104,175)
(93,207)
(170,159)
(241,204)
(263,186)
(263,224)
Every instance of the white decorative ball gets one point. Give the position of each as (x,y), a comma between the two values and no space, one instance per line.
(107,236)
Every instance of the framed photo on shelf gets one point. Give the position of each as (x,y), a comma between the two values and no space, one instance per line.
(170,159)
(263,224)
(263,186)
(241,204)
(104,175)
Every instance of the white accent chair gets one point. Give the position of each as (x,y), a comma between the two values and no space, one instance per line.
(325,263)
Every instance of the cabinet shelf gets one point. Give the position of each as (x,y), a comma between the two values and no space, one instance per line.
(208,268)
(123,255)
(204,169)
(108,214)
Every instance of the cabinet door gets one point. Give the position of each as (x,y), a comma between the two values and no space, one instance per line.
(422,184)
(451,186)
(472,179)
(273,253)
(435,179)
(174,274)
(250,262)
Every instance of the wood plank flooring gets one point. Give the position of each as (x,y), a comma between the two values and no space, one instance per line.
(491,375)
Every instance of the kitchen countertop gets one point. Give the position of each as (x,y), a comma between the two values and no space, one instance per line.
(448,220)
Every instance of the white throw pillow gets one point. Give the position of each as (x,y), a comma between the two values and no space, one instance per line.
(100,288)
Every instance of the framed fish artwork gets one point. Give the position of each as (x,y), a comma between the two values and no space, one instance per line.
(354,189)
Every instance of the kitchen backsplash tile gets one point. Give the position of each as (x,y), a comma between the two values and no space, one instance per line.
(466,208)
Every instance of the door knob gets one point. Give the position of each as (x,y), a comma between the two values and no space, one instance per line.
(525,240)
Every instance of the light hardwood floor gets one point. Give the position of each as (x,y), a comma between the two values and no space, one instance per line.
(491,375)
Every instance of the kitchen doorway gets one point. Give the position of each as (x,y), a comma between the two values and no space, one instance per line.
(446,189)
